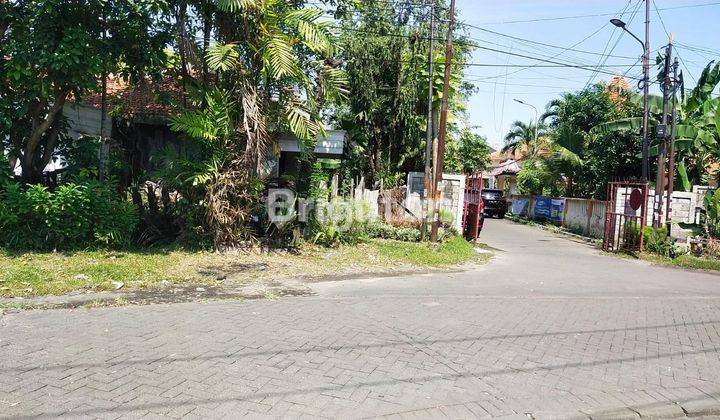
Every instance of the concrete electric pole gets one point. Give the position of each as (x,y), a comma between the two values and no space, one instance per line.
(442,135)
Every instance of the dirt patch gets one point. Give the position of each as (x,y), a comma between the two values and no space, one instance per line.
(166,294)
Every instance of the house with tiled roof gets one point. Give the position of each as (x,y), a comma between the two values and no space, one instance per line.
(138,122)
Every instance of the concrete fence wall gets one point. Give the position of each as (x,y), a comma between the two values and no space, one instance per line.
(577,214)
(684,206)
(585,216)
(588,216)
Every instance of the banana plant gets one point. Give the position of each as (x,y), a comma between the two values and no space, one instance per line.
(697,130)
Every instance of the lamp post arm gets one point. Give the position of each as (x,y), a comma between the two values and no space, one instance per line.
(636,38)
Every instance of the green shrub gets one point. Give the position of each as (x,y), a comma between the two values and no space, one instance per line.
(75,215)
(342,222)
(382,230)
(658,242)
(712,206)
(386,231)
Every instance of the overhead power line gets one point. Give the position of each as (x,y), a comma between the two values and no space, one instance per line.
(604,59)
(565,49)
(688,6)
(677,52)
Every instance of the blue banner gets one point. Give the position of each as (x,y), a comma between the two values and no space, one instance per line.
(520,206)
(557,209)
(542,207)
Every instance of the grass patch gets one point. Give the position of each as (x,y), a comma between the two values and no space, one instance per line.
(683,261)
(686,261)
(36,273)
(455,251)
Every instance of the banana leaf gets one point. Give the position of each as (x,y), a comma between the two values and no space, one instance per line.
(654,101)
(626,124)
(681,145)
(683,180)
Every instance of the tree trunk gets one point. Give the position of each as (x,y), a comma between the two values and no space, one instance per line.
(207,29)
(152,200)
(32,167)
(182,13)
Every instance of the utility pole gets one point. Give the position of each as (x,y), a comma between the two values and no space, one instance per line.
(646,95)
(443,124)
(429,192)
(104,151)
(671,165)
(662,140)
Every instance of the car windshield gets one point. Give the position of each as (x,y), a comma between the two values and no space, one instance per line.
(492,194)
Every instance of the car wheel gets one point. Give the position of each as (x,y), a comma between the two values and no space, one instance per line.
(501,215)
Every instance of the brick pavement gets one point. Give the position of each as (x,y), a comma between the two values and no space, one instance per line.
(363,357)
(350,353)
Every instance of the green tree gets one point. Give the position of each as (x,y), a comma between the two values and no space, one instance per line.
(386,48)
(468,154)
(697,133)
(581,160)
(522,137)
(276,72)
(55,50)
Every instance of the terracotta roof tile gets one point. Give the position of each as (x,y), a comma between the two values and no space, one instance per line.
(155,98)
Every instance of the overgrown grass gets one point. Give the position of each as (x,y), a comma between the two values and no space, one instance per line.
(455,251)
(35,273)
(56,273)
(684,261)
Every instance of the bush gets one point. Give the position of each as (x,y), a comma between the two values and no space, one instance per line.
(338,222)
(405,234)
(75,215)
(386,231)
(658,242)
(712,206)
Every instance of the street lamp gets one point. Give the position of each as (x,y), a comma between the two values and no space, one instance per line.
(645,86)
(537,120)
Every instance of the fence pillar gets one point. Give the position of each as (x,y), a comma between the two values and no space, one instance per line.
(590,210)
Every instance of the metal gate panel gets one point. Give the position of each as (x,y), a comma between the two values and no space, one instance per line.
(623,225)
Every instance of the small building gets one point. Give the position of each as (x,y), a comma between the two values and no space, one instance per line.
(138,123)
(504,176)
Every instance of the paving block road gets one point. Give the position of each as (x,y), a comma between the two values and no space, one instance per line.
(550,328)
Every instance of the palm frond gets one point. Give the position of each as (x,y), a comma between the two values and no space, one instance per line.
(222,56)
(279,56)
(335,81)
(196,124)
(238,5)
(301,124)
(315,34)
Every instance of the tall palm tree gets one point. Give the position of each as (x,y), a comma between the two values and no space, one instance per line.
(522,137)
(275,68)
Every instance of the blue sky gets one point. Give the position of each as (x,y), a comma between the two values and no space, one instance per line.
(493,108)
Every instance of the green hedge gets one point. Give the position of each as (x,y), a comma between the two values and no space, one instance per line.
(74,215)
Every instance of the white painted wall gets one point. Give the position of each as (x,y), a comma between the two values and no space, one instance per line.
(84,120)
(452,195)
(332,144)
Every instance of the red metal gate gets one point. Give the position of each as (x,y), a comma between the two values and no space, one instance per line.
(623,225)
(473,218)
